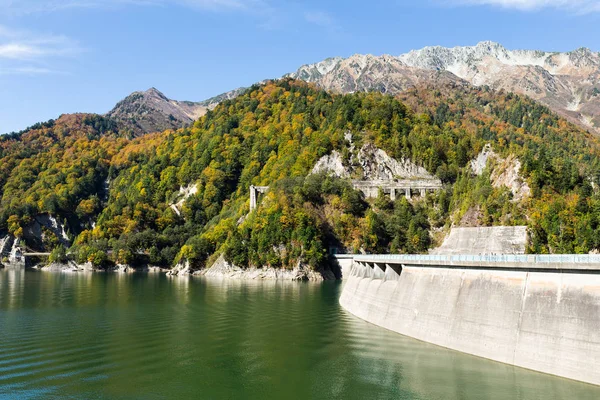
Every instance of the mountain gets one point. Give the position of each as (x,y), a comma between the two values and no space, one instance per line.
(364,73)
(112,196)
(232,94)
(152,111)
(569,83)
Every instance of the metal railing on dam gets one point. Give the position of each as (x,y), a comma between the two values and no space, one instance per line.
(516,261)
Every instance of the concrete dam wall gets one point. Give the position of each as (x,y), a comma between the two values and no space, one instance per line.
(544,320)
(485,240)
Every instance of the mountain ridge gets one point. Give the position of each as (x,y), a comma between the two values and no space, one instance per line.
(114,194)
(151,111)
(567,82)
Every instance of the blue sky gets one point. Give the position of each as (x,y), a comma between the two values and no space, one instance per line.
(63,56)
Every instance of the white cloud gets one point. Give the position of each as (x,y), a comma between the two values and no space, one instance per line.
(576,6)
(36,47)
(27,70)
(27,53)
(19,51)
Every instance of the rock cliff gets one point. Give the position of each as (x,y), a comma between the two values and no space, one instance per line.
(370,164)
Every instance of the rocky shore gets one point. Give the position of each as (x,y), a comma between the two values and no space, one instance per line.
(88,267)
(220,269)
(223,269)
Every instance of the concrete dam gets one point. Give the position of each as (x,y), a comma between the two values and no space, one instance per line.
(540,312)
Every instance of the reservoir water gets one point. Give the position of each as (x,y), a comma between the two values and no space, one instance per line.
(147,336)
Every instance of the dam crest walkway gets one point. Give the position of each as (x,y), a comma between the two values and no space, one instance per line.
(539,262)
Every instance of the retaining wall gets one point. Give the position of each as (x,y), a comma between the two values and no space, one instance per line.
(544,321)
(485,240)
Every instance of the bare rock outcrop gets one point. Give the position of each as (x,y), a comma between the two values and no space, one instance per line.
(479,164)
(372,164)
(184,194)
(334,164)
(42,225)
(507,173)
(68,266)
(182,269)
(376,164)
(565,82)
(152,111)
(504,172)
(223,269)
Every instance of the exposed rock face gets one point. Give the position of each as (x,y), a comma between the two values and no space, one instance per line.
(569,83)
(184,194)
(479,164)
(566,82)
(362,73)
(223,269)
(152,111)
(471,218)
(505,172)
(66,267)
(34,233)
(334,164)
(211,103)
(10,253)
(71,266)
(373,164)
(377,165)
(123,268)
(6,243)
(16,258)
(181,269)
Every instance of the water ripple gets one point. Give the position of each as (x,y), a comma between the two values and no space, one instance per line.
(111,336)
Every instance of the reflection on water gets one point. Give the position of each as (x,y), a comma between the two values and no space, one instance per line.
(149,336)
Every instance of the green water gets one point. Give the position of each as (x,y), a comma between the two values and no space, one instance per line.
(116,336)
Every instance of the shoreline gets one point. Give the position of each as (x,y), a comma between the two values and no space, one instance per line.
(220,269)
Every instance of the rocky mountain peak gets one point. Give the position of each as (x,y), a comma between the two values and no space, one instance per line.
(584,57)
(152,111)
(366,72)
(154,92)
(443,58)
(568,83)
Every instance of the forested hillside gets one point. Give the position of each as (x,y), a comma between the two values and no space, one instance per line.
(122,201)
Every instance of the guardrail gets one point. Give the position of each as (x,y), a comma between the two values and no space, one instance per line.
(497,258)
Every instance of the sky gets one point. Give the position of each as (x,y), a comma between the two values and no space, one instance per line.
(65,56)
